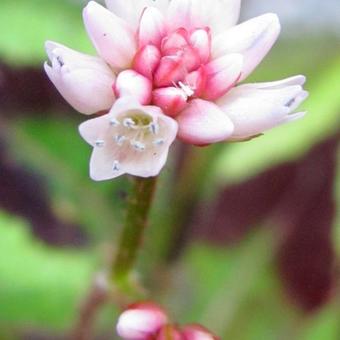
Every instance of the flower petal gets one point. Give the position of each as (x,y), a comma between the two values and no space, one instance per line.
(253,39)
(151,27)
(147,60)
(131,10)
(112,37)
(130,83)
(84,81)
(257,109)
(218,15)
(172,100)
(221,75)
(203,122)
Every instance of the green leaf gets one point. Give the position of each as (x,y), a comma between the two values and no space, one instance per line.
(26,25)
(39,286)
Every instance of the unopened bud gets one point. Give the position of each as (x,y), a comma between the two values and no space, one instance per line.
(140,321)
(197,332)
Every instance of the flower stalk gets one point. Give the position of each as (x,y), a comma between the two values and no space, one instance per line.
(138,207)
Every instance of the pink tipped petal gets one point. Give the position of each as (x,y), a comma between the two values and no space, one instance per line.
(253,39)
(131,10)
(196,80)
(130,83)
(203,122)
(171,100)
(151,28)
(255,110)
(84,81)
(175,41)
(170,70)
(221,75)
(147,60)
(200,40)
(111,36)
(197,332)
(140,321)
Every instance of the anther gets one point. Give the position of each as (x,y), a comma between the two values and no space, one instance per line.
(114,122)
(99,143)
(154,128)
(128,122)
(186,89)
(116,165)
(119,139)
(60,61)
(158,142)
(139,146)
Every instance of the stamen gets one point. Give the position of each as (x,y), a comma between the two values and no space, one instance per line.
(154,128)
(116,165)
(128,122)
(119,139)
(186,89)
(99,143)
(60,61)
(158,142)
(139,146)
(114,122)
(290,102)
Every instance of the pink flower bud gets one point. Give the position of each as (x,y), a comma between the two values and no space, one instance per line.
(197,332)
(146,60)
(140,321)
(171,100)
(131,83)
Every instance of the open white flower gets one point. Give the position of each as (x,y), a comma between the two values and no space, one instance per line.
(181,58)
(131,139)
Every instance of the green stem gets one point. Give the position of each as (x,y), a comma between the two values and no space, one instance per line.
(138,207)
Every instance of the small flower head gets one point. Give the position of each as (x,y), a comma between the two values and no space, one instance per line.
(180,59)
(140,321)
(131,138)
(147,321)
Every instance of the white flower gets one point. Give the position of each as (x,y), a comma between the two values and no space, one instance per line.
(131,139)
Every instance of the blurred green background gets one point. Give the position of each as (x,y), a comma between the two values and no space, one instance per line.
(250,246)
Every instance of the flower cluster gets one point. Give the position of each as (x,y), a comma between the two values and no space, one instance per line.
(167,69)
(146,321)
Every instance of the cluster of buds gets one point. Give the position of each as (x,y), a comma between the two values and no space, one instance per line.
(148,321)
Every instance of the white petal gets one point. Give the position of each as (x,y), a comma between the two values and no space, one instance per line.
(88,88)
(131,10)
(218,15)
(203,122)
(253,39)
(254,110)
(151,28)
(112,37)
(295,80)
